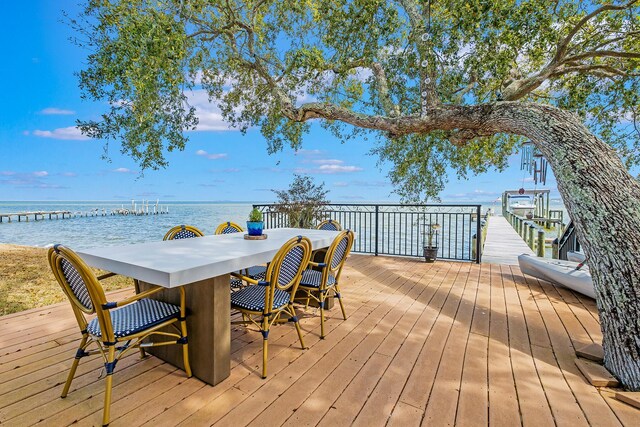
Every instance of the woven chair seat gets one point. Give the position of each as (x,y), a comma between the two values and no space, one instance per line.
(313,279)
(252,298)
(257,272)
(236,283)
(137,317)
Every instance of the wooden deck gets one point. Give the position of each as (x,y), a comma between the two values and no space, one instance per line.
(431,344)
(503,244)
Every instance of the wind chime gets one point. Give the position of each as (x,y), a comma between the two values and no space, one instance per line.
(534,163)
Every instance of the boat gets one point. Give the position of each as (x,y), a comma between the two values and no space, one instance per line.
(576,256)
(560,272)
(522,206)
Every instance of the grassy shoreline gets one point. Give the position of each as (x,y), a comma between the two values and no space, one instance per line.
(26,281)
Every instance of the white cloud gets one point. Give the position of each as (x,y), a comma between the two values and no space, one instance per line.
(340,184)
(327,162)
(69,174)
(328,166)
(123,170)
(27,180)
(52,111)
(68,133)
(370,183)
(211,156)
(338,169)
(208,113)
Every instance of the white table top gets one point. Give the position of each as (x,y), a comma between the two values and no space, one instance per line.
(175,263)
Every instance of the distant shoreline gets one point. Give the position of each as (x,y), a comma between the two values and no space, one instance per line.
(12,247)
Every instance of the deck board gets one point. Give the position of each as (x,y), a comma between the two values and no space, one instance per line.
(424,344)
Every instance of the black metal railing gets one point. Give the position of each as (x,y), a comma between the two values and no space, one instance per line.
(392,229)
(568,241)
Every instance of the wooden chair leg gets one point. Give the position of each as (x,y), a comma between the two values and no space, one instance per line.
(306,306)
(321,296)
(265,345)
(337,292)
(185,349)
(297,323)
(74,366)
(109,366)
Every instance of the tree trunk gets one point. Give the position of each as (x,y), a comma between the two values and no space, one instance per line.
(603,200)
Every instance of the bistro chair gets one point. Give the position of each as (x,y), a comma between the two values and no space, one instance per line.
(321,282)
(256,272)
(329,225)
(228,228)
(182,232)
(118,326)
(264,304)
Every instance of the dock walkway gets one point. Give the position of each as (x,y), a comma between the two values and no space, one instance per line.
(503,244)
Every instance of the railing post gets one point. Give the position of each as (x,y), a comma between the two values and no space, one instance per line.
(531,240)
(478,236)
(541,249)
(376,230)
(554,249)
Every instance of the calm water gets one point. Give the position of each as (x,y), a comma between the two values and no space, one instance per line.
(398,237)
(82,233)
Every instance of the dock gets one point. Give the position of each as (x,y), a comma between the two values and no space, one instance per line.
(39,215)
(503,244)
(143,209)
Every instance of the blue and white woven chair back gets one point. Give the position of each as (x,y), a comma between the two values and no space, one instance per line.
(77,285)
(330,225)
(228,228)
(340,249)
(182,232)
(287,267)
(76,279)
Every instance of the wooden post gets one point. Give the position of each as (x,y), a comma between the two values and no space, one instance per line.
(473,247)
(531,240)
(555,252)
(541,248)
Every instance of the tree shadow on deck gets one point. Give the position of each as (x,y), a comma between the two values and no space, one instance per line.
(524,302)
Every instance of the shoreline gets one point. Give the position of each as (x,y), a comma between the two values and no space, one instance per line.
(26,280)
(17,247)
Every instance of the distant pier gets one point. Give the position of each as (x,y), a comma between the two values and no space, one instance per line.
(142,209)
(40,215)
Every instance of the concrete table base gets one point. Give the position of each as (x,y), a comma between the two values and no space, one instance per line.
(208,328)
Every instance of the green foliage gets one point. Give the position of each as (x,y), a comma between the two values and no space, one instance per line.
(302,202)
(262,60)
(255,215)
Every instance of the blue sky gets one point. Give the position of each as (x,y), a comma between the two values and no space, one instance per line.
(43,156)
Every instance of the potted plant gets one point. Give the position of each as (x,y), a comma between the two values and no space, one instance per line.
(255,225)
(430,250)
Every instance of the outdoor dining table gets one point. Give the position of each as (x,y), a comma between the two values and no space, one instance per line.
(202,265)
